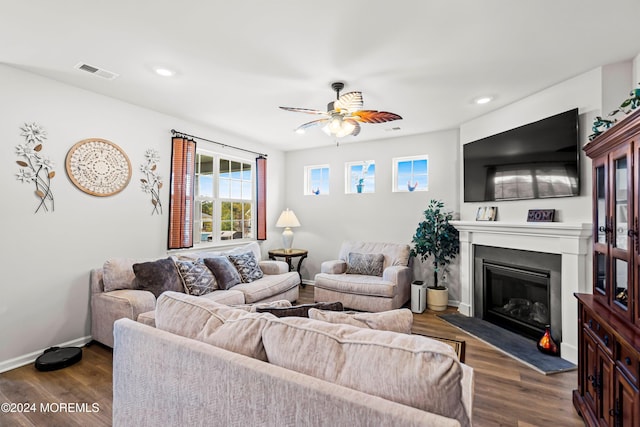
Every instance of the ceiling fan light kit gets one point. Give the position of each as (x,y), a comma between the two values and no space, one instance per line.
(344,115)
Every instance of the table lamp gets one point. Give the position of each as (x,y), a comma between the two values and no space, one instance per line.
(287,220)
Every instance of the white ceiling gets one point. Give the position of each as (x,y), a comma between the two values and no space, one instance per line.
(237,61)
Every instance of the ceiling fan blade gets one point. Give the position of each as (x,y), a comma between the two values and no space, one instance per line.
(305,110)
(307,125)
(373,116)
(350,101)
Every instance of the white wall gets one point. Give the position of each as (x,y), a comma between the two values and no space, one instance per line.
(382,216)
(583,92)
(46,257)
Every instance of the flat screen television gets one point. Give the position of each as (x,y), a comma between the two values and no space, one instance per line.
(534,161)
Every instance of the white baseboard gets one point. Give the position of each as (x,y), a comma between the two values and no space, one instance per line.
(26,359)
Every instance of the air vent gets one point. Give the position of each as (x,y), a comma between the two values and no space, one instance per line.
(100,72)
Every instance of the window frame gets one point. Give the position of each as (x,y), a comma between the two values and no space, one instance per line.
(217,200)
(308,191)
(396,172)
(350,179)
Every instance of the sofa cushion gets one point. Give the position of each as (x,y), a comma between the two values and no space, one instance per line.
(196,277)
(242,335)
(268,286)
(229,297)
(252,308)
(157,276)
(400,320)
(117,273)
(367,264)
(300,310)
(201,319)
(247,266)
(226,274)
(356,284)
(426,373)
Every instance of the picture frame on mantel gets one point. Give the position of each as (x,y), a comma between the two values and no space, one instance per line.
(541,215)
(487,213)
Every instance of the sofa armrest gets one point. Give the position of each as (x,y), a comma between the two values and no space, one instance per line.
(95,279)
(398,274)
(107,307)
(335,266)
(271,267)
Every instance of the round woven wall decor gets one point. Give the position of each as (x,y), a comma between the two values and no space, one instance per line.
(98,167)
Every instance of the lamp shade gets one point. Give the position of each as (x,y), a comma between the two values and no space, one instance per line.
(288,219)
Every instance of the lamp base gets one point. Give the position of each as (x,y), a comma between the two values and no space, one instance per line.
(287,238)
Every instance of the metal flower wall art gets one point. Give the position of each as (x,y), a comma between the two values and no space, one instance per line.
(152,182)
(34,167)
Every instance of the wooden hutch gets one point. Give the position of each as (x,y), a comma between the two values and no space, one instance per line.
(609,319)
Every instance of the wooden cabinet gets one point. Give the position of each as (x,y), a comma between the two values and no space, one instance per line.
(609,318)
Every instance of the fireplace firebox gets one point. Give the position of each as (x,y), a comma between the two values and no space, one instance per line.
(517,298)
(518,290)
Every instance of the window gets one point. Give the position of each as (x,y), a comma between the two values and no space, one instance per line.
(360,177)
(224,198)
(411,174)
(316,180)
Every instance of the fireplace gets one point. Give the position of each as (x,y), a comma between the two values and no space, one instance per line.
(516,298)
(571,242)
(519,290)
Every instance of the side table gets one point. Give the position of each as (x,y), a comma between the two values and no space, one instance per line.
(288,255)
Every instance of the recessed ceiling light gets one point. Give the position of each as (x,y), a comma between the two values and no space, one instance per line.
(483,100)
(164,72)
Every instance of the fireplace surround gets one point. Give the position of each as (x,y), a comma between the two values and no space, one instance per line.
(571,241)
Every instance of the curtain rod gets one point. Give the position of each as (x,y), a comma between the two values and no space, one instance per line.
(175,132)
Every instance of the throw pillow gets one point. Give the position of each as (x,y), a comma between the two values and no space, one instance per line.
(117,273)
(400,320)
(300,310)
(197,279)
(247,266)
(226,274)
(367,264)
(158,276)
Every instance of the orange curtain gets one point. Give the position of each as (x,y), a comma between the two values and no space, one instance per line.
(183,157)
(261,198)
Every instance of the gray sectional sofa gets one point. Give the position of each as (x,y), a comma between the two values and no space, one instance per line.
(114,294)
(233,368)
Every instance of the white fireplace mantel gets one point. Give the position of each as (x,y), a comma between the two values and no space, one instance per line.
(571,240)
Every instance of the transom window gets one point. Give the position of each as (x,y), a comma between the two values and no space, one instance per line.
(224,198)
(360,177)
(316,180)
(411,174)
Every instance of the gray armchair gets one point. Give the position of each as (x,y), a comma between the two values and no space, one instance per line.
(367,276)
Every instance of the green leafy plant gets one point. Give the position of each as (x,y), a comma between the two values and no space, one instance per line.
(436,239)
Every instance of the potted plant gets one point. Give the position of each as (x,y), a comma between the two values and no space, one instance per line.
(436,240)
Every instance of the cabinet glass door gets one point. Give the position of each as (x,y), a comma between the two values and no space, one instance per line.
(601,273)
(621,204)
(619,242)
(601,204)
(621,283)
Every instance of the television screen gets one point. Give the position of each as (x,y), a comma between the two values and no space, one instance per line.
(534,161)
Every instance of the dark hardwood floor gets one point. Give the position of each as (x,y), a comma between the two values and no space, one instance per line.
(507,393)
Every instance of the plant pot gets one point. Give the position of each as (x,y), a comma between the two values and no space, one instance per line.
(437,299)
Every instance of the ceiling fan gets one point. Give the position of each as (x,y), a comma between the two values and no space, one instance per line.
(344,115)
